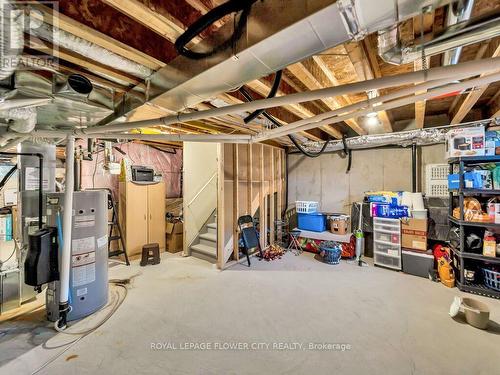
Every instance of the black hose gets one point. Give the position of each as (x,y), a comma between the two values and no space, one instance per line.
(202,23)
(307,153)
(7,176)
(248,97)
(272,94)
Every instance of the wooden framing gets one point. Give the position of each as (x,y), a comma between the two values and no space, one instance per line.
(220,207)
(472,97)
(312,83)
(249,180)
(364,71)
(272,211)
(144,32)
(167,27)
(262,200)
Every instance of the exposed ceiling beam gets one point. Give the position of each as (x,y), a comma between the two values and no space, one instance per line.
(297,109)
(311,82)
(203,9)
(472,97)
(168,27)
(364,72)
(82,31)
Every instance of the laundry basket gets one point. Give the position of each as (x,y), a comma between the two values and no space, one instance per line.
(306,207)
(492,279)
(331,252)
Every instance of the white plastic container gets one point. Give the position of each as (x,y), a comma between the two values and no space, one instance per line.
(306,207)
(419,214)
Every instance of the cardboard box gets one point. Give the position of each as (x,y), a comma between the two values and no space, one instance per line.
(175,236)
(414,234)
(174,227)
(173,206)
(174,243)
(464,142)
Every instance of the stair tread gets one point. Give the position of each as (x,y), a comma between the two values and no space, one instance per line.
(205,249)
(209,237)
(212,225)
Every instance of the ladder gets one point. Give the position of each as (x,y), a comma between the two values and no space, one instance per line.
(115,224)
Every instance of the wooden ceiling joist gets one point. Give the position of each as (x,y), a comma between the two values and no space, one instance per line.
(472,97)
(421,24)
(312,83)
(364,71)
(297,109)
(168,27)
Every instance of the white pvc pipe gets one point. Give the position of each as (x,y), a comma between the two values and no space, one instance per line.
(370,103)
(65,266)
(392,104)
(219,138)
(466,69)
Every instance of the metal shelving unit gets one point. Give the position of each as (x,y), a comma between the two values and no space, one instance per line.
(460,253)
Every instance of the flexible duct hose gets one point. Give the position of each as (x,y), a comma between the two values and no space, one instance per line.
(231,6)
(272,93)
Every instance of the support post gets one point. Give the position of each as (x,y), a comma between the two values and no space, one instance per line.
(236,206)
(414,167)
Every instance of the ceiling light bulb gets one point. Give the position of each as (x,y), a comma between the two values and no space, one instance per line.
(372,114)
(372,121)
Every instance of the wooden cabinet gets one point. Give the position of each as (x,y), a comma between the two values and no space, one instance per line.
(142,215)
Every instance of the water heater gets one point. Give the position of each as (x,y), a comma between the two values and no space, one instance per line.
(89,253)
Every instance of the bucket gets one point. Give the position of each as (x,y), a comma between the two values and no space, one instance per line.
(476,312)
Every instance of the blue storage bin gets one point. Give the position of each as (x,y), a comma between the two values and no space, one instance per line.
(313,222)
(471,181)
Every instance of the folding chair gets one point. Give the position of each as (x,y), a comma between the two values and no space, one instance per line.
(249,235)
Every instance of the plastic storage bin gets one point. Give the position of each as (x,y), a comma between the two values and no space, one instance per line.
(306,207)
(492,279)
(417,263)
(313,222)
(387,242)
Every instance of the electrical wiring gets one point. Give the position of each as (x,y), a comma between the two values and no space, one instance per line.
(309,154)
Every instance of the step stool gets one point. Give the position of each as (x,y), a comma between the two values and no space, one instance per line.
(150,254)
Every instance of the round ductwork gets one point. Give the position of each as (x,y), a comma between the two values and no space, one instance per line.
(80,84)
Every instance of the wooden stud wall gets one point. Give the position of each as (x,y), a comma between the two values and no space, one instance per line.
(253,181)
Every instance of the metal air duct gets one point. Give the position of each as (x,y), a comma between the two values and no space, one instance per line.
(420,137)
(89,50)
(270,44)
(455,36)
(457,12)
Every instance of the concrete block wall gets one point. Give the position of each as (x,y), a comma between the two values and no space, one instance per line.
(324,179)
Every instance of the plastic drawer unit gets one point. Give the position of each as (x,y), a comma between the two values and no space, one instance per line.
(387,243)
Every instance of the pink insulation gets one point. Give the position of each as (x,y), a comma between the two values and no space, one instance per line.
(169,165)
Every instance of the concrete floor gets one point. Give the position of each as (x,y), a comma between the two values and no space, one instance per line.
(389,323)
